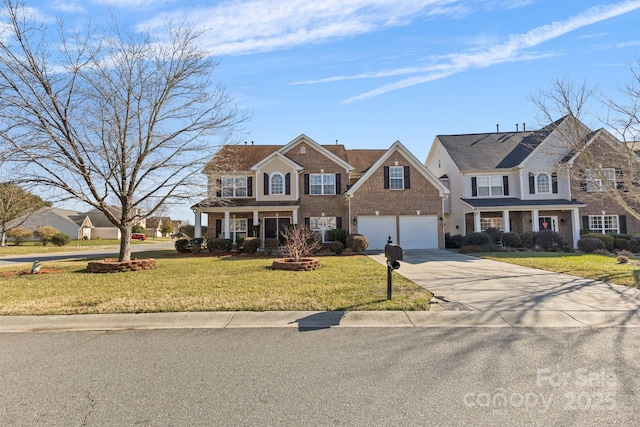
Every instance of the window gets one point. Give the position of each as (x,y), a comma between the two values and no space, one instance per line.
(234,186)
(276,184)
(238,228)
(396,177)
(322,225)
(486,223)
(594,183)
(605,224)
(489,186)
(543,183)
(322,183)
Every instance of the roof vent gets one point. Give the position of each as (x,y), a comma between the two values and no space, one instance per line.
(497,127)
(524,126)
(516,127)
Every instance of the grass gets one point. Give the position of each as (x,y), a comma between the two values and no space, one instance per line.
(28,248)
(209,284)
(597,267)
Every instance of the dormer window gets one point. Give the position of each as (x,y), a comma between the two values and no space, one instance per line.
(543,183)
(276,184)
(303,149)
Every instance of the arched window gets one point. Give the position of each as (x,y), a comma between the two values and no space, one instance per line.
(543,183)
(276,184)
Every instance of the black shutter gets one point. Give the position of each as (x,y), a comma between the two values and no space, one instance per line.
(386,177)
(585,222)
(307,222)
(218,227)
(218,187)
(622,222)
(249,186)
(407,177)
(306,183)
(338,184)
(532,183)
(554,183)
(474,186)
(583,181)
(266,184)
(505,184)
(250,227)
(339,222)
(287,184)
(620,181)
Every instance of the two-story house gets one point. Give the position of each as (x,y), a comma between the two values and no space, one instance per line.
(255,190)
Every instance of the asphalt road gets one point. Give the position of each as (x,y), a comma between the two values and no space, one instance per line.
(347,376)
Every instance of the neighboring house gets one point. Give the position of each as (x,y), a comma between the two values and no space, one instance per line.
(522,182)
(155,225)
(103,228)
(258,189)
(72,223)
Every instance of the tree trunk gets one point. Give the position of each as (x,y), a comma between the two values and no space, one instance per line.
(125,244)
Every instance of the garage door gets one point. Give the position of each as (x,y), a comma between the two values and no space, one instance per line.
(419,232)
(377,229)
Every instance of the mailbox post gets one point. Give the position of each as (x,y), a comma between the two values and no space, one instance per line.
(393,253)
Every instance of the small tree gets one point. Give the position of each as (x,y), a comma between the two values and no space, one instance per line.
(299,241)
(167,228)
(45,233)
(16,205)
(19,235)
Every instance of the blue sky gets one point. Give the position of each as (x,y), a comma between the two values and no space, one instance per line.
(368,73)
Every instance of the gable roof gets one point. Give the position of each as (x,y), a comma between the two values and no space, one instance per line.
(397,146)
(497,150)
(332,153)
(239,157)
(42,217)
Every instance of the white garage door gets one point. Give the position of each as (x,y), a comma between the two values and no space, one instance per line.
(377,229)
(419,232)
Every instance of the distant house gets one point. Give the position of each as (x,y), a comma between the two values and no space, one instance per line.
(155,224)
(72,223)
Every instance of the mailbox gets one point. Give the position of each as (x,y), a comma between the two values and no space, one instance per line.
(393,253)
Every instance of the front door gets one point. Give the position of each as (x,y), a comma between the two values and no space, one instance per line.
(273,228)
(548,223)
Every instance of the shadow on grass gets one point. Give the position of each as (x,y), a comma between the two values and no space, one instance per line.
(327,319)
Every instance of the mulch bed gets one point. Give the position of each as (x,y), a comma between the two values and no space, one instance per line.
(44,270)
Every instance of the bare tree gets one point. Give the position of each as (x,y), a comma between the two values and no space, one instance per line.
(110,116)
(299,241)
(16,205)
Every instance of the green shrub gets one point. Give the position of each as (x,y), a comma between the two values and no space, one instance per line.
(478,239)
(607,239)
(251,245)
(336,247)
(589,245)
(634,245)
(528,239)
(495,234)
(338,235)
(620,243)
(60,239)
(487,247)
(45,233)
(511,240)
(19,235)
(549,240)
(357,242)
(196,244)
(138,229)
(455,242)
(271,244)
(182,245)
(217,245)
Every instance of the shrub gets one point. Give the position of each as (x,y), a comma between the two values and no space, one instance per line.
(622,259)
(607,239)
(620,243)
(511,240)
(455,242)
(634,245)
(478,239)
(45,233)
(60,239)
(338,235)
(625,253)
(217,245)
(336,247)
(601,252)
(528,240)
(357,242)
(138,229)
(19,235)
(589,245)
(196,245)
(487,247)
(270,245)
(299,241)
(495,234)
(251,245)
(548,240)
(182,245)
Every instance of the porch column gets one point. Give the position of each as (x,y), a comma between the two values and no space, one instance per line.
(575,226)
(197,228)
(535,223)
(227,225)
(476,221)
(506,227)
(295,216)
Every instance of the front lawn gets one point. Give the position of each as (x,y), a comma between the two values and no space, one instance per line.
(208,283)
(31,247)
(598,267)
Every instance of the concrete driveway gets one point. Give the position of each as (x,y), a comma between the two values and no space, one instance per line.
(466,283)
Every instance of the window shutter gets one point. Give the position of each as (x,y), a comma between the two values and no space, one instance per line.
(250,227)
(554,183)
(218,227)
(287,184)
(249,186)
(306,183)
(585,222)
(339,222)
(620,184)
(583,182)
(474,186)
(266,184)
(532,183)
(505,184)
(407,177)
(622,222)
(307,222)
(386,177)
(338,184)
(218,187)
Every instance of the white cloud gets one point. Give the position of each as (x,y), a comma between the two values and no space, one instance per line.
(508,51)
